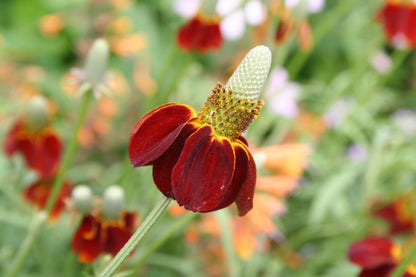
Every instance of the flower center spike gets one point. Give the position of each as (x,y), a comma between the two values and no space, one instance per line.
(227,114)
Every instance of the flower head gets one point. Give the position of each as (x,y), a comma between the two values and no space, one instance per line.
(201,159)
(96,235)
(105,226)
(35,140)
(200,34)
(399,20)
(93,76)
(399,214)
(378,256)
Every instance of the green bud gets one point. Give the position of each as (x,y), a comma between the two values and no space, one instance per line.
(35,114)
(96,62)
(248,79)
(82,198)
(112,203)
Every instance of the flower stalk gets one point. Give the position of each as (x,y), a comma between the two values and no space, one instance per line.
(136,238)
(33,232)
(68,154)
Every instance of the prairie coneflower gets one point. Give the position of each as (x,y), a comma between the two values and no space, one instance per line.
(103,229)
(399,22)
(200,34)
(378,256)
(32,136)
(201,159)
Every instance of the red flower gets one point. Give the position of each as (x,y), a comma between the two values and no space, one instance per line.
(200,161)
(41,149)
(38,194)
(399,19)
(200,34)
(399,214)
(377,256)
(96,235)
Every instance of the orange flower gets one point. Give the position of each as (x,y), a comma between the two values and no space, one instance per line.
(288,159)
(128,46)
(52,24)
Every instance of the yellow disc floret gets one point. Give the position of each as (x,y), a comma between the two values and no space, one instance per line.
(229,115)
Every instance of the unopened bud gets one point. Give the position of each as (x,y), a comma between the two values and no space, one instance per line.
(112,203)
(248,79)
(35,114)
(82,198)
(96,61)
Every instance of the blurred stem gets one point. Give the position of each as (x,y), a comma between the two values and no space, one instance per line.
(400,270)
(397,58)
(162,77)
(320,231)
(184,220)
(375,163)
(136,238)
(34,231)
(127,169)
(166,84)
(227,241)
(329,20)
(68,154)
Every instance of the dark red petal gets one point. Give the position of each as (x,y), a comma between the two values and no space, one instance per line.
(38,194)
(130,220)
(372,252)
(398,223)
(50,149)
(243,140)
(156,131)
(204,171)
(245,196)
(411,27)
(380,271)
(116,237)
(11,141)
(87,240)
(210,37)
(162,167)
(397,19)
(240,175)
(189,34)
(42,150)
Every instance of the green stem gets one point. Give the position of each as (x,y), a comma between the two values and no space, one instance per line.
(69,153)
(227,241)
(136,238)
(34,228)
(397,58)
(324,25)
(400,270)
(163,94)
